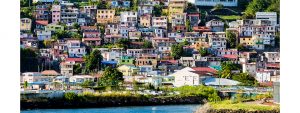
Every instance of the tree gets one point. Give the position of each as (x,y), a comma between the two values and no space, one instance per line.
(47,43)
(184,43)
(231,39)
(147,44)
(188,25)
(261,6)
(203,51)
(218,6)
(25,85)
(76,26)
(177,51)
(29,60)
(134,5)
(226,69)
(77,69)
(245,79)
(70,96)
(277,40)
(191,8)
(123,42)
(111,77)
(87,83)
(240,47)
(93,61)
(61,34)
(157,10)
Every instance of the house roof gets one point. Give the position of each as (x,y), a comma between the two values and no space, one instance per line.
(230,56)
(91,39)
(276,65)
(50,72)
(205,69)
(220,81)
(42,22)
(75,59)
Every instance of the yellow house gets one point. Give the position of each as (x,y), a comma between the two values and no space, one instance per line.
(175,7)
(105,16)
(53,27)
(145,20)
(246,41)
(128,70)
(25,24)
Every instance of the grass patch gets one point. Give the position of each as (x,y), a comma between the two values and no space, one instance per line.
(231,17)
(227,104)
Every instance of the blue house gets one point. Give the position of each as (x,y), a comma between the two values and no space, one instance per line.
(112,64)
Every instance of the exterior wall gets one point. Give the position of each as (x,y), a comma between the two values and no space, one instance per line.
(249,68)
(276,92)
(105,16)
(66,68)
(263,76)
(76,52)
(43,35)
(56,13)
(272,57)
(160,22)
(145,21)
(25,24)
(186,78)
(128,70)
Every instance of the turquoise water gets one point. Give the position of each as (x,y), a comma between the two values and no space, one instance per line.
(130,109)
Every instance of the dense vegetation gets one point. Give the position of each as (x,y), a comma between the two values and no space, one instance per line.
(260,6)
(29,60)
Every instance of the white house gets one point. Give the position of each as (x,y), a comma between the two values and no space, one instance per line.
(111,56)
(33,77)
(75,48)
(161,22)
(249,68)
(272,57)
(272,16)
(192,76)
(129,17)
(187,61)
(215,25)
(263,76)
(81,78)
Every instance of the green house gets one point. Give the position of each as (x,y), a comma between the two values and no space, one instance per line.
(126,60)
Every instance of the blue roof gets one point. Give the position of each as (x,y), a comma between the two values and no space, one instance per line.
(220,81)
(109,62)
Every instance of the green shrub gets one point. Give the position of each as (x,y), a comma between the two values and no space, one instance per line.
(70,96)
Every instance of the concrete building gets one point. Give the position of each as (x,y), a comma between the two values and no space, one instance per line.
(56,13)
(105,16)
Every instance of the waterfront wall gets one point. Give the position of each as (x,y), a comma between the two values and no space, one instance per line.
(96,102)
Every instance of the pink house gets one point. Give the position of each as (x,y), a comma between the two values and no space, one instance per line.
(55,13)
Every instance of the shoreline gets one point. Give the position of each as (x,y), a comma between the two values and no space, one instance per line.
(134,106)
(102,103)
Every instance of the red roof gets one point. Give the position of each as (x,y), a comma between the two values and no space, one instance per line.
(230,56)
(75,59)
(91,39)
(207,69)
(42,22)
(276,65)
(169,61)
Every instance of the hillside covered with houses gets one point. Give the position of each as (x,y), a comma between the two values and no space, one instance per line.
(150,44)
